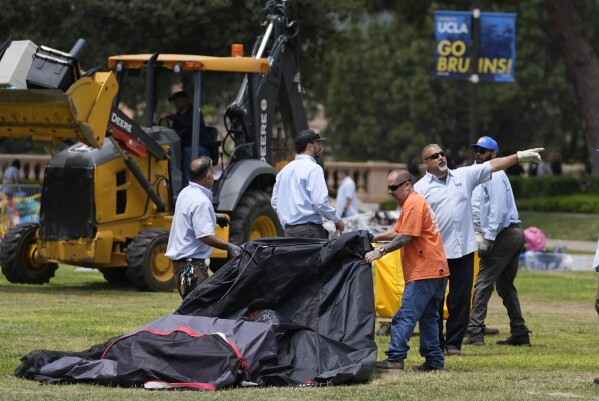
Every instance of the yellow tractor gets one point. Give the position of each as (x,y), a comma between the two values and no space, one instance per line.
(108,199)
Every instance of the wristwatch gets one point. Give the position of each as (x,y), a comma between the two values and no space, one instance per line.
(382,250)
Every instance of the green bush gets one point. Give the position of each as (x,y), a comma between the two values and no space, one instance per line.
(388,205)
(579,203)
(592,184)
(542,187)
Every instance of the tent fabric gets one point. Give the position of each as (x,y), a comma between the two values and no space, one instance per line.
(290,311)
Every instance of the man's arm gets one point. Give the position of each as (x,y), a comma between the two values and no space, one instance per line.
(385,236)
(214,241)
(396,243)
(530,155)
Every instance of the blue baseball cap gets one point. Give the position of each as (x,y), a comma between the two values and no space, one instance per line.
(486,142)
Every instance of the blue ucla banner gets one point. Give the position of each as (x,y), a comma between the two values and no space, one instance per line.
(452,34)
(497,51)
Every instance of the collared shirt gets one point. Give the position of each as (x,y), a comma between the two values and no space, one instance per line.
(300,194)
(11,176)
(194,218)
(347,189)
(497,206)
(423,257)
(451,202)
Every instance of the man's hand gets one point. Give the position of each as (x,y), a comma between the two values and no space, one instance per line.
(222,220)
(373,255)
(530,155)
(370,237)
(233,250)
(484,248)
(340,226)
(479,238)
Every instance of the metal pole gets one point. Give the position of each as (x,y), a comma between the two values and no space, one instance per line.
(195,131)
(474,79)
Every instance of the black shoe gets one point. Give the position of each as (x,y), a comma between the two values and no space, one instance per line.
(425,367)
(390,364)
(476,339)
(522,339)
(596,380)
(452,351)
(491,331)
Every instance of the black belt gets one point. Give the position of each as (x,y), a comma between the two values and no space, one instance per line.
(514,225)
(183,262)
(303,224)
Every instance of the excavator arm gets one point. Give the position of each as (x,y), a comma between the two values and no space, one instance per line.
(250,119)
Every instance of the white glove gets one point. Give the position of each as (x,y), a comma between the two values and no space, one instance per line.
(530,155)
(479,238)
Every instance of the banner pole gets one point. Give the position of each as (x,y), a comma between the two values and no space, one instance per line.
(474,78)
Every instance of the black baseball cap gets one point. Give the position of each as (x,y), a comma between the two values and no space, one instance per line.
(305,137)
(178,95)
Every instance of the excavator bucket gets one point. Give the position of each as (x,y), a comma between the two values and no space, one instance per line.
(50,115)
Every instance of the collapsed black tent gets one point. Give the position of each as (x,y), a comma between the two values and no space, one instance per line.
(288,312)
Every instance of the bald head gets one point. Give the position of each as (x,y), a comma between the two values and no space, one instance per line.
(401,175)
(201,171)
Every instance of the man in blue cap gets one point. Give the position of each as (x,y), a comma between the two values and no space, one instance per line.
(500,242)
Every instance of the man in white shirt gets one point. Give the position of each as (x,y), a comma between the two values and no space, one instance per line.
(347,202)
(300,195)
(11,174)
(192,237)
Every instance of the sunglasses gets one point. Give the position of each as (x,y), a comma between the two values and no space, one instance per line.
(395,187)
(480,151)
(435,156)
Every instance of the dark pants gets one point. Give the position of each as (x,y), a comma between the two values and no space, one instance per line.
(307,230)
(189,274)
(461,275)
(499,269)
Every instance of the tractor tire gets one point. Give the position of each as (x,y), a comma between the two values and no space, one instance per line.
(252,219)
(115,275)
(147,266)
(18,256)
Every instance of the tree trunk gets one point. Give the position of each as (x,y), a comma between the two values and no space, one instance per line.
(582,68)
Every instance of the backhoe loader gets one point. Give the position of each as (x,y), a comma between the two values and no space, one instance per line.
(108,199)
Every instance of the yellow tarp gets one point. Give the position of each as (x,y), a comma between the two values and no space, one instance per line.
(389,284)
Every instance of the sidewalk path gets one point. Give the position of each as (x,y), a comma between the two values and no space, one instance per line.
(583,246)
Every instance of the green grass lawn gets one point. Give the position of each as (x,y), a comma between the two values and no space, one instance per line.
(567,226)
(77,310)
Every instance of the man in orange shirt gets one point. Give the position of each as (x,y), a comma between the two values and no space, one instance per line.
(425,273)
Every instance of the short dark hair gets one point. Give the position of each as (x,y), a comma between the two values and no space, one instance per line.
(306,137)
(201,170)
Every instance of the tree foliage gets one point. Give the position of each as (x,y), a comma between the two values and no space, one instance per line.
(370,62)
(384,103)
